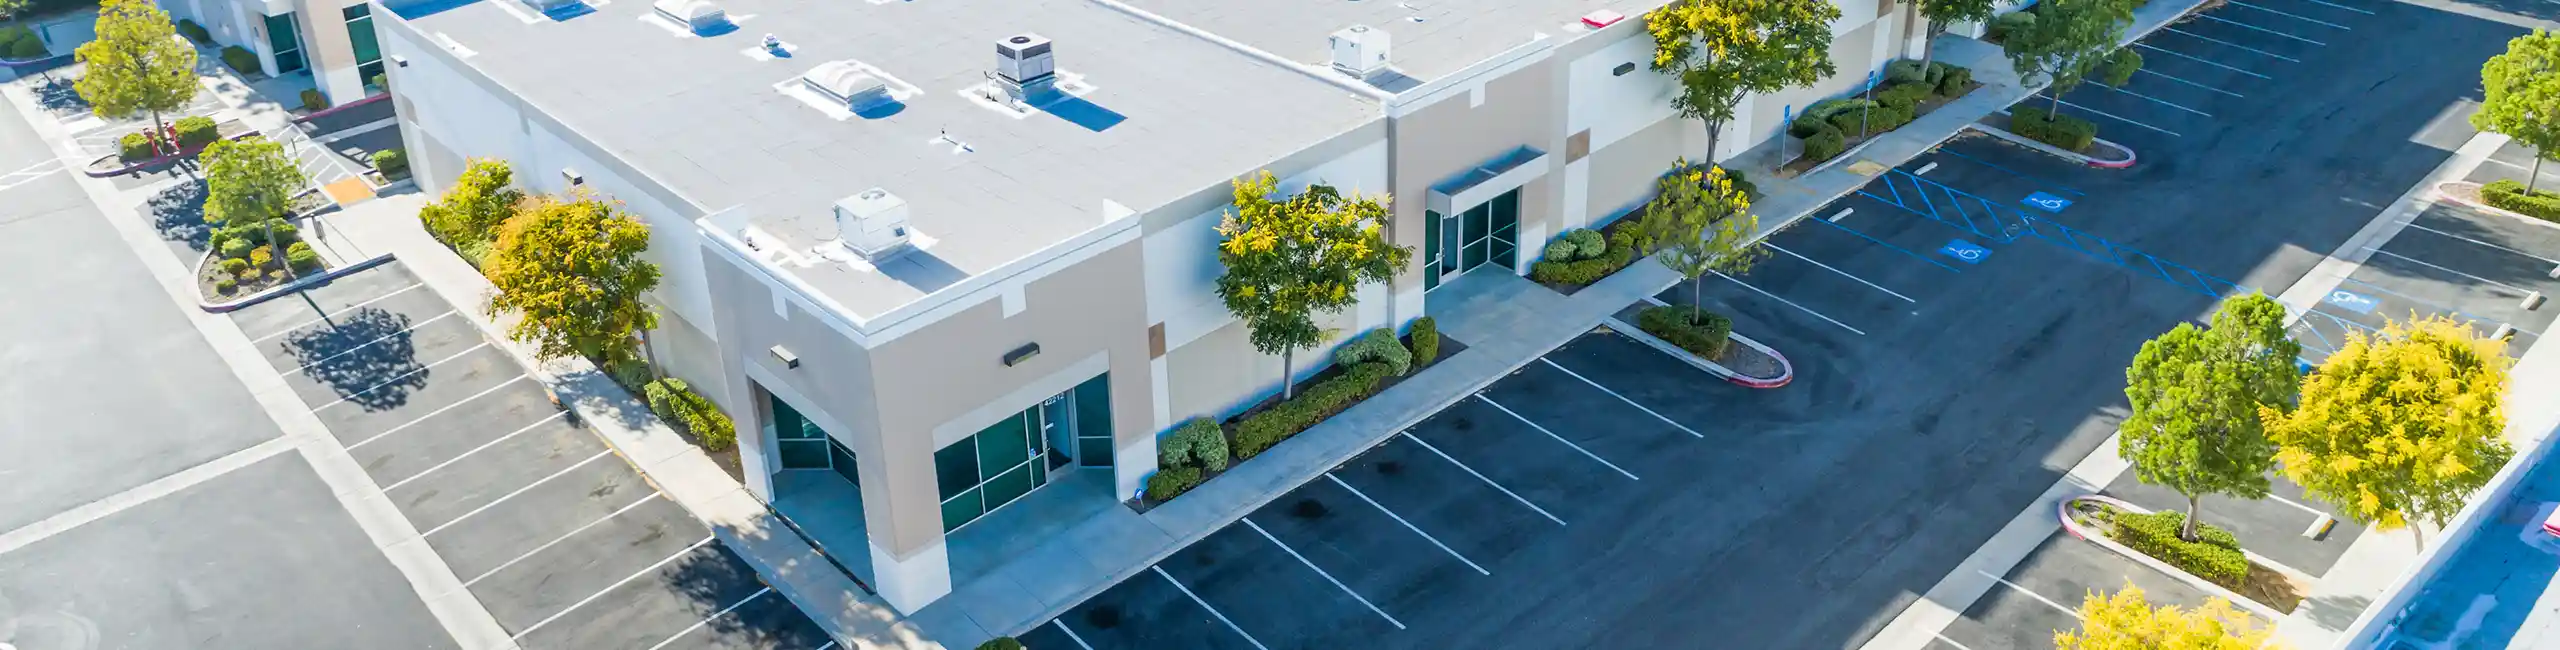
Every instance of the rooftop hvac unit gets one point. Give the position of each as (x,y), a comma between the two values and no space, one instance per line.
(873,223)
(847,82)
(697,15)
(1359,50)
(1025,60)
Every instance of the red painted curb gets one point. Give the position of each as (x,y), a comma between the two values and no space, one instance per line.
(2128,162)
(1787,374)
(182,153)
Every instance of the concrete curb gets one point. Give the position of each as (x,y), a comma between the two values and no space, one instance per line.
(2484,206)
(1843,157)
(271,293)
(2032,143)
(1701,363)
(2063,511)
(93,171)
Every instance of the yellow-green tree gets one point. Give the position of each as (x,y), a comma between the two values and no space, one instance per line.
(572,269)
(1722,50)
(2399,425)
(2126,621)
(1288,259)
(137,65)
(2522,96)
(1699,223)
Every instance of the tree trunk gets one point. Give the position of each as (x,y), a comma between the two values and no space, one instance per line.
(1698,299)
(2057,102)
(156,133)
(1288,379)
(2195,509)
(651,351)
(2537,174)
(1714,129)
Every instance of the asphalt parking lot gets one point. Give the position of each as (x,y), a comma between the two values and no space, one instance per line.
(565,543)
(2451,260)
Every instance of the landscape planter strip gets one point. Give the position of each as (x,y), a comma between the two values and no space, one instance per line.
(94,172)
(2129,157)
(2100,538)
(1786,375)
(305,282)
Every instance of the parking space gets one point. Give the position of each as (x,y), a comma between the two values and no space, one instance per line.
(2210,70)
(565,543)
(2042,594)
(2451,260)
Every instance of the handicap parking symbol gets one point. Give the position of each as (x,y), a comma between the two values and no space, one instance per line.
(2046,202)
(1965,251)
(2352,301)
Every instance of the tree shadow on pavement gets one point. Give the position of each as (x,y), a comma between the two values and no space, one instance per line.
(715,580)
(57,95)
(367,358)
(177,214)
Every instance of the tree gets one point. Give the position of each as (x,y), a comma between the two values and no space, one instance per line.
(1290,259)
(2400,424)
(10,8)
(137,65)
(1699,223)
(2196,393)
(1721,50)
(572,269)
(2523,96)
(2126,620)
(1941,12)
(470,211)
(247,181)
(2066,40)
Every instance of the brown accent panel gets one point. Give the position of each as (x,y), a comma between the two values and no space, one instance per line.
(1577,146)
(1155,341)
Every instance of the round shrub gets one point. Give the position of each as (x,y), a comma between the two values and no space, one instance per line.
(11,34)
(1562,251)
(1587,243)
(393,163)
(312,100)
(232,265)
(194,131)
(285,231)
(1825,145)
(302,257)
(1001,643)
(1905,71)
(240,60)
(1953,82)
(236,249)
(2010,23)
(1170,482)
(195,32)
(1904,95)
(224,284)
(1426,340)
(27,48)
(135,147)
(1379,345)
(262,256)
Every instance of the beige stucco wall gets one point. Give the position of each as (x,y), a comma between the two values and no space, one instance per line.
(1852,53)
(1624,172)
(1455,134)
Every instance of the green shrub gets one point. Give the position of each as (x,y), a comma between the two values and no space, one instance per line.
(1379,346)
(26,49)
(236,249)
(240,59)
(2214,556)
(1001,643)
(1272,425)
(688,411)
(2063,131)
(10,35)
(382,81)
(2510,196)
(474,252)
(1905,95)
(2119,67)
(1825,145)
(393,163)
(262,256)
(1561,251)
(1952,83)
(1170,482)
(1887,118)
(1905,71)
(285,232)
(301,257)
(194,131)
(1583,272)
(1676,324)
(1823,110)
(312,100)
(195,32)
(1588,242)
(135,147)
(1426,340)
(2007,23)
(232,265)
(1197,443)
(225,283)
(633,375)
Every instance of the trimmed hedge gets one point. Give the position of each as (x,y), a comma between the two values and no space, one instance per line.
(1582,272)
(232,265)
(1953,81)
(1197,443)
(1272,425)
(27,48)
(1905,96)
(301,257)
(1170,482)
(135,147)
(236,249)
(1825,145)
(676,403)
(312,100)
(1587,243)
(2510,196)
(393,163)
(195,131)
(225,283)
(10,35)
(1377,346)
(2063,131)
(2214,556)
(195,32)
(1905,71)
(1674,324)
(2010,22)
(1426,340)
(240,60)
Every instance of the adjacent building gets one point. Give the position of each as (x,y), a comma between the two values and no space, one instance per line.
(331,41)
(949,263)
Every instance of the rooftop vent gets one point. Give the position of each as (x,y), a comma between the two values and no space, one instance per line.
(1025,64)
(872,224)
(848,82)
(1359,50)
(697,15)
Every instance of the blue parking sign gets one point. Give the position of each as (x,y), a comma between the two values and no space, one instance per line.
(2046,202)
(2351,301)
(1965,251)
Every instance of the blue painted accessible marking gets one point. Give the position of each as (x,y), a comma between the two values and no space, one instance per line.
(2352,301)
(2046,202)
(2303,365)
(1965,251)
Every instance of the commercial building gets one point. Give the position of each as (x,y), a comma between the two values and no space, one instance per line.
(949,263)
(331,41)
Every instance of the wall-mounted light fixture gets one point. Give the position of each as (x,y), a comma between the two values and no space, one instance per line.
(784,356)
(1021,354)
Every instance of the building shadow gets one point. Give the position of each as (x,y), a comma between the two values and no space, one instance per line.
(367,357)
(721,585)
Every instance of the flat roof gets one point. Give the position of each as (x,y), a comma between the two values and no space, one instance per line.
(1427,39)
(1166,115)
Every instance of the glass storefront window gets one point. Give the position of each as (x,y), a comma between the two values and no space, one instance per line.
(1093,421)
(1012,457)
(1484,234)
(285,41)
(799,442)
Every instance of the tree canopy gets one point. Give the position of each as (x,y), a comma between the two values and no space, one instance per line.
(2126,620)
(1700,223)
(1721,50)
(1941,12)
(2196,393)
(572,269)
(2523,95)
(2065,41)
(248,180)
(470,211)
(1288,259)
(10,8)
(2400,425)
(137,64)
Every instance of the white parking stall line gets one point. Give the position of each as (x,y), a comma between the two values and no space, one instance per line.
(831,643)
(325,317)
(510,495)
(1551,434)
(2113,116)
(378,339)
(1515,496)
(1943,639)
(2306,19)
(706,539)
(2210,39)
(1062,627)
(2339,6)
(2030,593)
(1924,169)
(2243,25)
(1328,577)
(2156,100)
(405,375)
(2314,511)
(1791,303)
(2194,58)
(27,179)
(724,611)
(1640,407)
(2149,71)
(1213,610)
(1417,530)
(2420,262)
(653,496)
(1842,214)
(447,407)
(2482,243)
(1844,274)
